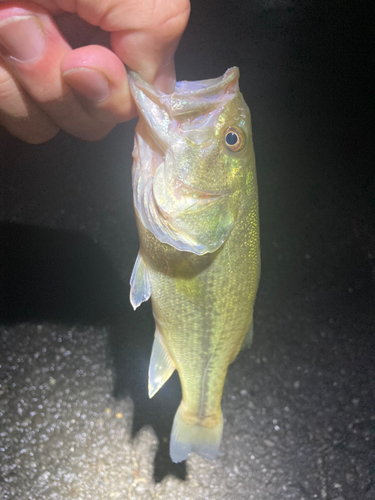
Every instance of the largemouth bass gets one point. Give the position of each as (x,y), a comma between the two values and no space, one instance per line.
(196,205)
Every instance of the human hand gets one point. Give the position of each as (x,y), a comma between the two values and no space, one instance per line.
(45,85)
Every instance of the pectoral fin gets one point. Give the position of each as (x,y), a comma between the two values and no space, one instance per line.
(140,285)
(161,366)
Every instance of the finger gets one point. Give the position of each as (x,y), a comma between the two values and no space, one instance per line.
(33,50)
(144,34)
(20,115)
(99,78)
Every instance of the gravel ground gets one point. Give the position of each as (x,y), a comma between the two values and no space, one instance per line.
(75,419)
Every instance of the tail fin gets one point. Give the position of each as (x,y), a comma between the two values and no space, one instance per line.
(191,433)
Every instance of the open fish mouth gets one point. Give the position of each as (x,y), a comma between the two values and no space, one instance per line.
(188,98)
(189,102)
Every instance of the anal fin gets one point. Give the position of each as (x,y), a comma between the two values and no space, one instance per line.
(140,285)
(161,366)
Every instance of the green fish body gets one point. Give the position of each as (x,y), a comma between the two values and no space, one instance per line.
(196,204)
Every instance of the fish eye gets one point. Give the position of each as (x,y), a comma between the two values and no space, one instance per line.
(234,139)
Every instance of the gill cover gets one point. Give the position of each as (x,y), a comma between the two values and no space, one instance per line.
(177,213)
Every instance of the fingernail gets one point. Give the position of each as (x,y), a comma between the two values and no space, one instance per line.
(90,83)
(22,37)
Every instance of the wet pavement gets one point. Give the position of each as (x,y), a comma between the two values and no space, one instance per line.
(299,407)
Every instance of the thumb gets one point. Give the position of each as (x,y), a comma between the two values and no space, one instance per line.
(149,50)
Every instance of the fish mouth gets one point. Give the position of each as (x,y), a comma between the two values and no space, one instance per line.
(189,99)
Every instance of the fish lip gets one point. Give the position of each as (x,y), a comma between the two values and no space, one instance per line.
(202,87)
(197,97)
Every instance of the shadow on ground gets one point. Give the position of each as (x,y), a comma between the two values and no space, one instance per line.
(63,276)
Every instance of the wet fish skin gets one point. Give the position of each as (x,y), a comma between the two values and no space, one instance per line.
(196,207)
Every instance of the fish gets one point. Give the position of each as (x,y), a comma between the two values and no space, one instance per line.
(196,206)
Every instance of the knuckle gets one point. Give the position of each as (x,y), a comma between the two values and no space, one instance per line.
(41,137)
(173,18)
(95,134)
(8,89)
(155,14)
(27,131)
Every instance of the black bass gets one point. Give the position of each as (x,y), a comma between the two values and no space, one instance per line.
(196,204)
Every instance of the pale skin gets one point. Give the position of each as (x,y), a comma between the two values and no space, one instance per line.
(46,85)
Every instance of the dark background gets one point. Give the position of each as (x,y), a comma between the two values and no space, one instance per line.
(299,406)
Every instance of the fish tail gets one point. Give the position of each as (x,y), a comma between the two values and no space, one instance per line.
(191,433)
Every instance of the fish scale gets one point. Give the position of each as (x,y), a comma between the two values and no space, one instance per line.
(196,204)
